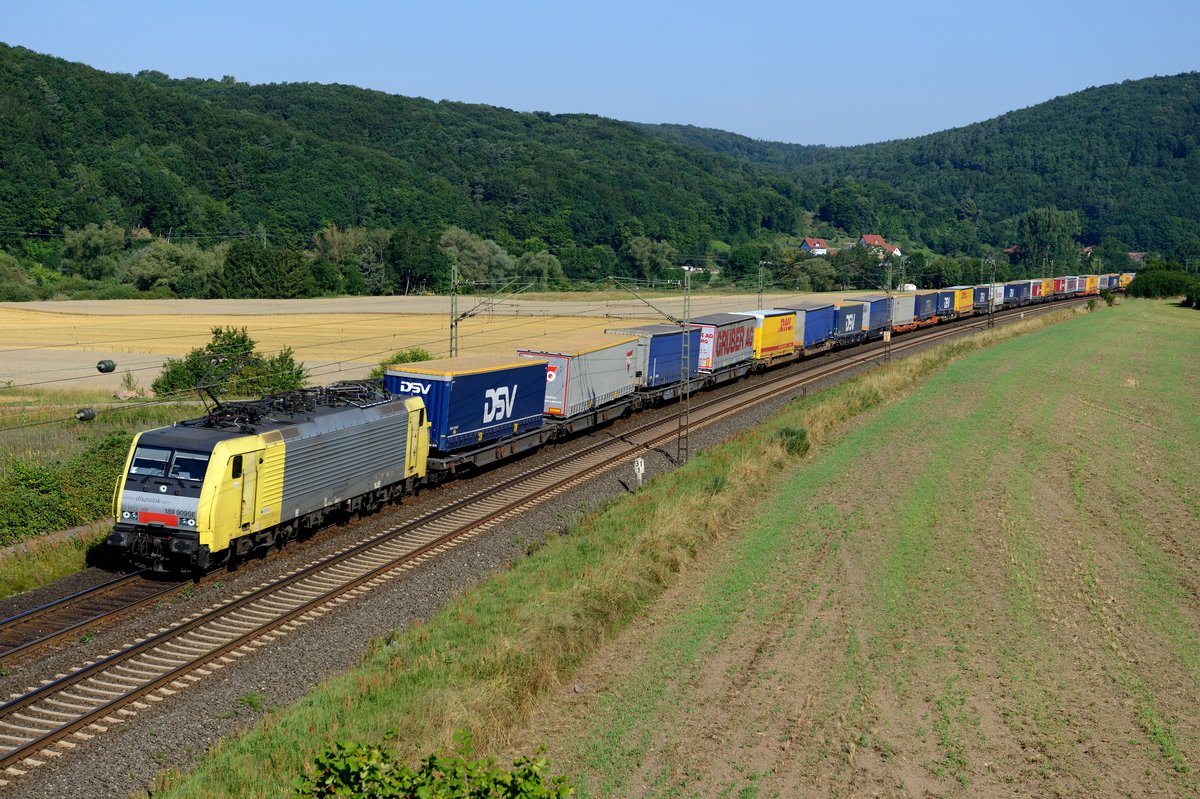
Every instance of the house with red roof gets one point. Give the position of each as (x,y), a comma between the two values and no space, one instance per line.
(876,243)
(815,246)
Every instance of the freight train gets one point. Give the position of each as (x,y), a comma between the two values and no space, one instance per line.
(255,474)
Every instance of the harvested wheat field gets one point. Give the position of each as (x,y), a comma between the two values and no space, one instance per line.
(59,343)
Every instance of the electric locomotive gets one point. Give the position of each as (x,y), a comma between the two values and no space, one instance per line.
(250,474)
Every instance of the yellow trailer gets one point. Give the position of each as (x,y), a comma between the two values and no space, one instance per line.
(774,333)
(964,300)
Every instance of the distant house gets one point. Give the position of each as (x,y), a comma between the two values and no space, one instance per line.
(815,246)
(1137,257)
(880,246)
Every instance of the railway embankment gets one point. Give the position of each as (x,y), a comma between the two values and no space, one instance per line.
(535,638)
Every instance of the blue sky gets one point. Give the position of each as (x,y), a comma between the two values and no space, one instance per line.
(804,72)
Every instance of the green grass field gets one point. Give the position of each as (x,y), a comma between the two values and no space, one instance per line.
(987,588)
(900,611)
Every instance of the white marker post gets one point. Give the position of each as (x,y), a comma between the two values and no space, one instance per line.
(639,469)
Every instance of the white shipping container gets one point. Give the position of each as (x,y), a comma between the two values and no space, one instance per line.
(903,309)
(586,372)
(725,339)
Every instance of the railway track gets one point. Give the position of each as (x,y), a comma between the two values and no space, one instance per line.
(49,720)
(25,632)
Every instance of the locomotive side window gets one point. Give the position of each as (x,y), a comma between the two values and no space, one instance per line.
(150,461)
(189,465)
(236,471)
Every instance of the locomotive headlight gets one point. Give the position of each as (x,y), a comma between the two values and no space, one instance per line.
(125,514)
(191,522)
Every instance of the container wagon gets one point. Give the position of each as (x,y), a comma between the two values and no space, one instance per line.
(726,340)
(586,372)
(814,325)
(474,400)
(877,313)
(848,322)
(658,360)
(956,301)
(774,334)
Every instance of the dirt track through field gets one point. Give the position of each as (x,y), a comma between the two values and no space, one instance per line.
(990,588)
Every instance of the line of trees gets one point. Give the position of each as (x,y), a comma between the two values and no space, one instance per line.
(103,261)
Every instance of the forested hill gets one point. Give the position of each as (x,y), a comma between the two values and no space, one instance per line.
(109,179)
(1125,156)
(204,159)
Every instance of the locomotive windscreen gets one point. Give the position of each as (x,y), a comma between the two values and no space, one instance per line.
(159,462)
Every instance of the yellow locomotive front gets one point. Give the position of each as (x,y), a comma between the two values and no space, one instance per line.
(186,492)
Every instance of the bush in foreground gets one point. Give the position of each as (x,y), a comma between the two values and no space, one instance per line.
(357,771)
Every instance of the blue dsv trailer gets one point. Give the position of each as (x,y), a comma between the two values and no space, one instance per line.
(476,399)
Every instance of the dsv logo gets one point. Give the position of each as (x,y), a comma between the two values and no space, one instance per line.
(498,403)
(409,387)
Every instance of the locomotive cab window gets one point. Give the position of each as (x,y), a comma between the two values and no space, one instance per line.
(189,465)
(235,470)
(150,461)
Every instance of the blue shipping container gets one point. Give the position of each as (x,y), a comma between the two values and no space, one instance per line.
(983,295)
(848,320)
(878,311)
(1017,291)
(660,353)
(819,319)
(475,399)
(945,302)
(926,304)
